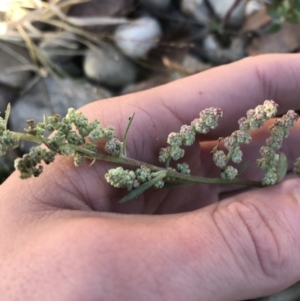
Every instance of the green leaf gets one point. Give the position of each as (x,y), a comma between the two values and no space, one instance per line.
(244,167)
(7,113)
(297,6)
(126,133)
(281,167)
(274,12)
(274,28)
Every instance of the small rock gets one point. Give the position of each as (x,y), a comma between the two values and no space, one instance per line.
(193,64)
(218,55)
(253,6)
(51,96)
(221,8)
(66,93)
(197,9)
(32,105)
(12,59)
(61,49)
(138,37)
(109,67)
(101,8)
(157,5)
(189,65)
(96,8)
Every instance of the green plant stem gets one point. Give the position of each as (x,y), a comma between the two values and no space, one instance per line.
(185,178)
(170,173)
(28,137)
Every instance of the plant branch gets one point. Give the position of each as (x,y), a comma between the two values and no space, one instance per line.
(185,178)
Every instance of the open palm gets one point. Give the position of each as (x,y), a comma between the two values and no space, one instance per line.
(163,110)
(61,231)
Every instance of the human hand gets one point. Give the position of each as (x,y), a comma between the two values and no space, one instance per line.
(60,238)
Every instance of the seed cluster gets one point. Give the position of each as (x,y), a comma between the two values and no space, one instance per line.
(124,178)
(270,160)
(254,120)
(208,119)
(74,134)
(8,141)
(29,164)
(68,133)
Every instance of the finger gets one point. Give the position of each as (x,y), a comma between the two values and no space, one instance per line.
(201,195)
(165,109)
(251,242)
(251,152)
(241,248)
(234,88)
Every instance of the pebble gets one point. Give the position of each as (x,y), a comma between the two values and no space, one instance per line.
(61,49)
(197,9)
(74,94)
(253,6)
(190,64)
(219,55)
(193,64)
(51,96)
(222,7)
(98,8)
(135,39)
(109,67)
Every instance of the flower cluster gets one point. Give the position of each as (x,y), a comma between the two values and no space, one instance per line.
(255,120)
(8,141)
(94,131)
(208,119)
(29,164)
(74,136)
(257,117)
(124,178)
(270,161)
(183,168)
(229,173)
(69,133)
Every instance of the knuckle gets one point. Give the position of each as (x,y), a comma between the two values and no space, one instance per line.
(261,74)
(291,188)
(257,247)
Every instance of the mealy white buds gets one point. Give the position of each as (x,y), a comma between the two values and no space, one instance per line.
(208,119)
(275,165)
(229,173)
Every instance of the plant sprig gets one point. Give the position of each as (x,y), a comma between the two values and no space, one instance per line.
(73,136)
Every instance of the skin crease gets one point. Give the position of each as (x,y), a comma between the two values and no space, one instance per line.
(64,237)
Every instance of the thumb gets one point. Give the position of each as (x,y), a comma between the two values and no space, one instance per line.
(248,246)
(241,248)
